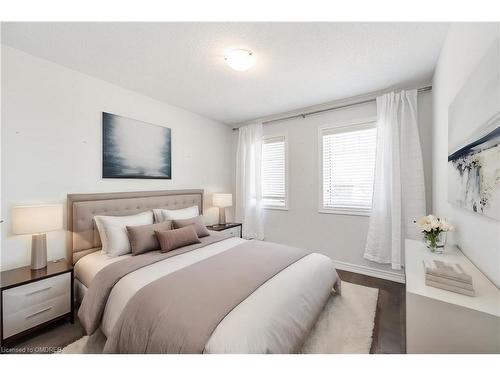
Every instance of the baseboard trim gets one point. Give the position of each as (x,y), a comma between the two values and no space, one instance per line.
(369,271)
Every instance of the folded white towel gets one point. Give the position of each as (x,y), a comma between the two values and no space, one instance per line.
(444,280)
(450,288)
(451,271)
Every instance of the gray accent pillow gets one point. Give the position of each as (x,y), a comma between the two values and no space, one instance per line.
(197,222)
(143,237)
(173,239)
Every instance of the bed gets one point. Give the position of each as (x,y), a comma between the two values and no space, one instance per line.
(209,302)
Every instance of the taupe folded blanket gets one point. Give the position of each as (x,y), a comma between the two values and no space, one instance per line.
(94,301)
(179,312)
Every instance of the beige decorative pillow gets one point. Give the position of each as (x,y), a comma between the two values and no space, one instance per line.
(197,222)
(143,237)
(173,239)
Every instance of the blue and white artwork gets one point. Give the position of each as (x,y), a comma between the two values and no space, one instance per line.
(135,149)
(474,139)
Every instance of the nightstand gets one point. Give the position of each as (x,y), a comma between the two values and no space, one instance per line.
(32,299)
(235,229)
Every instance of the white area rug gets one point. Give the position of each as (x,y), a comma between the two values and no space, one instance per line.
(346,324)
(344,327)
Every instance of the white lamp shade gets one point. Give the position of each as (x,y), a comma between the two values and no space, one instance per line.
(222,200)
(36,219)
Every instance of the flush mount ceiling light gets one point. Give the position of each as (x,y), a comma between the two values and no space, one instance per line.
(240,59)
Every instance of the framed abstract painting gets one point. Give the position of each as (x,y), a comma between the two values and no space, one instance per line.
(474,139)
(135,149)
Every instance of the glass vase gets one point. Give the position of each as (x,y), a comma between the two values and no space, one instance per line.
(435,242)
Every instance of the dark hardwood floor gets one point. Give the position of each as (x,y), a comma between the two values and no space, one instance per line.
(389,334)
(50,339)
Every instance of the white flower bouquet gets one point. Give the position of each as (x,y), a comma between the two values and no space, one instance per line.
(434,230)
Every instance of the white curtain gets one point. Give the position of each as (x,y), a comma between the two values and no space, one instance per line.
(399,189)
(249,209)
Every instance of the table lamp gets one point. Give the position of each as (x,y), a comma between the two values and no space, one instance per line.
(222,200)
(37,220)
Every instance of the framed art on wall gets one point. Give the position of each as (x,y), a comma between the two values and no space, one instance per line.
(474,139)
(135,149)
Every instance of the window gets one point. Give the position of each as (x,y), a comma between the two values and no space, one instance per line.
(348,166)
(274,172)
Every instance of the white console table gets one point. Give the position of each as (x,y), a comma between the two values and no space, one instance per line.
(439,321)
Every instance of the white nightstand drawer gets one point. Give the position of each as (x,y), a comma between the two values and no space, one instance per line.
(235,232)
(24,296)
(36,314)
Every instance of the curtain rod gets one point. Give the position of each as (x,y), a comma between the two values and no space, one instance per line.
(304,115)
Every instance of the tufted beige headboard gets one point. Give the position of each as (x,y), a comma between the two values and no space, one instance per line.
(83,237)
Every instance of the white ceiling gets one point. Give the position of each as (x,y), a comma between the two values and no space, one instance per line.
(298,64)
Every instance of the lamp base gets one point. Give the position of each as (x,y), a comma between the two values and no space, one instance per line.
(38,251)
(222,215)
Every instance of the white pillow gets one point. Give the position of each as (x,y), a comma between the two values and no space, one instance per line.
(161,214)
(113,231)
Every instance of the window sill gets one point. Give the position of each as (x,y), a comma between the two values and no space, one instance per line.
(275,208)
(342,212)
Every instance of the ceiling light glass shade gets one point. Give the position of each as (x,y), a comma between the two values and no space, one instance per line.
(240,59)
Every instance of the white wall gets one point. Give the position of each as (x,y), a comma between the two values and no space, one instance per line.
(51,143)
(342,237)
(1,127)
(477,235)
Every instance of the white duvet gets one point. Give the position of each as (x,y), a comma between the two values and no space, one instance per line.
(275,318)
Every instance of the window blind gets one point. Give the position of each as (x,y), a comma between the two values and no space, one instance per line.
(348,167)
(274,172)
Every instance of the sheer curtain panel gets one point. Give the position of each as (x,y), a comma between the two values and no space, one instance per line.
(249,210)
(399,189)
